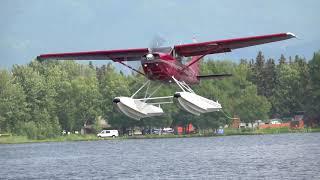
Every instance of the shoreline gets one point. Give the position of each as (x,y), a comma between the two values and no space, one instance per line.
(91,137)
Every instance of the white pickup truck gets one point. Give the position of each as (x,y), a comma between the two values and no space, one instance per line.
(108,133)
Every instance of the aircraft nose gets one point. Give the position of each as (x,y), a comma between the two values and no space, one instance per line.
(116,100)
(177,95)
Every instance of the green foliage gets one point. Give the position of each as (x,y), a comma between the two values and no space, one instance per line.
(313,103)
(251,106)
(36,130)
(28,129)
(39,100)
(97,126)
(13,106)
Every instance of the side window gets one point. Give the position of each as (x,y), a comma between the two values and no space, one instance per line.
(107,132)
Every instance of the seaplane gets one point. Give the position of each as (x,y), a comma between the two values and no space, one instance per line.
(166,65)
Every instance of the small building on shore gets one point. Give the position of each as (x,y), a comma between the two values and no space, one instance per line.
(295,123)
(189,129)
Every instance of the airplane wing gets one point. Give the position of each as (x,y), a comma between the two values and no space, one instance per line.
(220,46)
(115,55)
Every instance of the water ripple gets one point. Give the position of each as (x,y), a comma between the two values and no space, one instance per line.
(282,156)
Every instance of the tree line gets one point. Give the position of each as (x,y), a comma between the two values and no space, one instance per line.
(41,99)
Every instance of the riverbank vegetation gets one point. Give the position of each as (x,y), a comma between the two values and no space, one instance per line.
(25,139)
(40,99)
(227,132)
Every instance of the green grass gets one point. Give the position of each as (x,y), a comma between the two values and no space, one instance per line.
(13,139)
(313,129)
(230,132)
(8,139)
(268,131)
(273,130)
(24,139)
(155,136)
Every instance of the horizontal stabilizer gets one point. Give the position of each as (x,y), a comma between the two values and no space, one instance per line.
(213,76)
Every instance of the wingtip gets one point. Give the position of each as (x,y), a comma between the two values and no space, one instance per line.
(291,35)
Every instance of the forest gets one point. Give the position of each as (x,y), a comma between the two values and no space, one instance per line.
(41,99)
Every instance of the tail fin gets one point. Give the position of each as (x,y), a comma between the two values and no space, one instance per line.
(213,76)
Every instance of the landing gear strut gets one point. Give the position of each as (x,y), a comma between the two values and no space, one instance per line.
(193,103)
(142,107)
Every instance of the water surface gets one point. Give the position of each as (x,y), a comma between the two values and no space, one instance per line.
(281,156)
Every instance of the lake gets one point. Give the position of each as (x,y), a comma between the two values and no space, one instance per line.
(280,156)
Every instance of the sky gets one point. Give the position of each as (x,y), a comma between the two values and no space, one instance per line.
(34,27)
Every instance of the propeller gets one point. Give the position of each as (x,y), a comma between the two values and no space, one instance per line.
(156,42)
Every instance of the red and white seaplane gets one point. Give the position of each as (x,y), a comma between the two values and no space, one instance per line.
(165,64)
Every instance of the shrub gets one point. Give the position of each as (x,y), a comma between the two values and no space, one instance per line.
(28,129)
(38,130)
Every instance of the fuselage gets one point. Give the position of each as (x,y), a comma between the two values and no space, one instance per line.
(164,66)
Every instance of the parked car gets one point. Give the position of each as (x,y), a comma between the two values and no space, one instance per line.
(146,131)
(108,133)
(163,131)
(156,131)
(167,131)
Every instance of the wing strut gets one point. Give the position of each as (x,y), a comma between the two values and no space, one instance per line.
(130,67)
(196,59)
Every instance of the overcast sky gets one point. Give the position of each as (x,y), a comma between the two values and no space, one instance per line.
(33,27)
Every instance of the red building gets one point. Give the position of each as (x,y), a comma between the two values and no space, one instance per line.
(185,130)
(297,122)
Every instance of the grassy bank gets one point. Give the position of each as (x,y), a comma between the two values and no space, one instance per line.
(269,131)
(25,139)
(227,132)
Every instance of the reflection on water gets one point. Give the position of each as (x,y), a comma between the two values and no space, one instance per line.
(282,156)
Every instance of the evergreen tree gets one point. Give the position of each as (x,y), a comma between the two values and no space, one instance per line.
(258,73)
(91,66)
(282,60)
(313,97)
(269,76)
